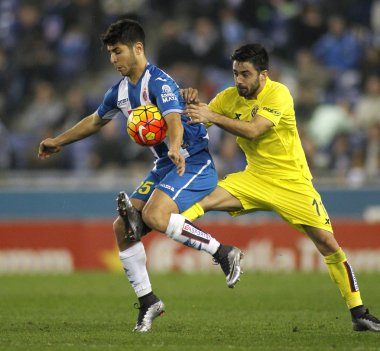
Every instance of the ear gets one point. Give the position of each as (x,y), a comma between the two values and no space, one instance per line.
(263,74)
(138,48)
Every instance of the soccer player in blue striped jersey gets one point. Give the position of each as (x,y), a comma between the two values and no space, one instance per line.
(183,170)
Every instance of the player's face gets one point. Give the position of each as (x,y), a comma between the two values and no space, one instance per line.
(123,58)
(248,81)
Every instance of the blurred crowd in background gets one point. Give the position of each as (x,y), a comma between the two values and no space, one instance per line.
(54,71)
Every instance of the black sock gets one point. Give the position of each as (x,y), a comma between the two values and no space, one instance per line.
(216,254)
(148,299)
(358,311)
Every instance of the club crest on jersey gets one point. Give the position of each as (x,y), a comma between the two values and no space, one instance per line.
(254,110)
(167,94)
(145,95)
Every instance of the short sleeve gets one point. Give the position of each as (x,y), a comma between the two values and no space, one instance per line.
(167,96)
(275,104)
(108,108)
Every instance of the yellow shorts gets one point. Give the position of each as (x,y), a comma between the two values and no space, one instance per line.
(295,200)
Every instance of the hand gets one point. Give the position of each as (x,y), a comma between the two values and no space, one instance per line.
(178,160)
(190,95)
(47,148)
(199,113)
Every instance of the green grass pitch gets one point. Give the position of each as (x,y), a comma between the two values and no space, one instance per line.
(266,311)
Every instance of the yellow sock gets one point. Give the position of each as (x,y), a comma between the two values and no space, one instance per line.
(343,276)
(193,212)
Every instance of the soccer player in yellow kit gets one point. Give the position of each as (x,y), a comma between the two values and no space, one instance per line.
(260,113)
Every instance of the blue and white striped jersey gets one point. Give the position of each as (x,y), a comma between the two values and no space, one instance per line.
(157,88)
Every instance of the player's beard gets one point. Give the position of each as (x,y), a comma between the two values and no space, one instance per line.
(130,65)
(249,92)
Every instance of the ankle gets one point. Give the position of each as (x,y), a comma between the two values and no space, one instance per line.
(148,299)
(358,311)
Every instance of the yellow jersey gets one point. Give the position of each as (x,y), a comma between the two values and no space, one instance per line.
(278,152)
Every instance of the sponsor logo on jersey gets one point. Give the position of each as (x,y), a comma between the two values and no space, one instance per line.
(270,110)
(254,110)
(122,102)
(237,115)
(159,78)
(167,94)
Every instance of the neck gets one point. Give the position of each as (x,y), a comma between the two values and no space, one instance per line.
(138,71)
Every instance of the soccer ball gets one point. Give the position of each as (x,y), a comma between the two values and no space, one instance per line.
(146,126)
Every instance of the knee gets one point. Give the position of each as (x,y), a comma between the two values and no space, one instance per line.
(118,225)
(119,231)
(155,219)
(323,240)
(330,245)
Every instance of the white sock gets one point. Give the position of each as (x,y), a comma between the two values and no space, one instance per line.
(133,260)
(183,231)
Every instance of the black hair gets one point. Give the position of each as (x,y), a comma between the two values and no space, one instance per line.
(125,31)
(253,53)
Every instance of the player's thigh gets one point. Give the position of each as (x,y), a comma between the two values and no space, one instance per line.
(160,202)
(220,200)
(248,189)
(157,211)
(300,204)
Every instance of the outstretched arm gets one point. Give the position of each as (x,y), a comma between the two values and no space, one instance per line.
(201,113)
(84,128)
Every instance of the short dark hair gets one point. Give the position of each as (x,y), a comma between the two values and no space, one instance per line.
(253,53)
(125,31)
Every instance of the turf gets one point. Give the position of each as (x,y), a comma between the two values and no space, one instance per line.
(94,311)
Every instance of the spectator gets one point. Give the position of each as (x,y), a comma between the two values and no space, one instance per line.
(73,51)
(340,156)
(338,49)
(232,30)
(206,43)
(5,147)
(10,87)
(307,27)
(38,119)
(327,121)
(370,64)
(367,109)
(312,80)
(8,36)
(173,48)
(38,63)
(372,151)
